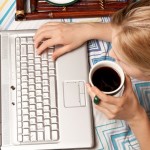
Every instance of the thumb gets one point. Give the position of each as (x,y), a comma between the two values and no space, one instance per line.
(60,51)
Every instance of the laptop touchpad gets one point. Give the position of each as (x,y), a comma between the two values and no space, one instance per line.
(74,94)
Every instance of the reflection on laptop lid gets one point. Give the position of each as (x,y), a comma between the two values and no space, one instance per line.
(44,103)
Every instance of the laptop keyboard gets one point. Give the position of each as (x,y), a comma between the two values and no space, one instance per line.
(37,111)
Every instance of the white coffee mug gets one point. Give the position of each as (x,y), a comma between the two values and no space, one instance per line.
(115,67)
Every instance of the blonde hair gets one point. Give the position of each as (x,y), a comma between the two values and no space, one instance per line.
(133,22)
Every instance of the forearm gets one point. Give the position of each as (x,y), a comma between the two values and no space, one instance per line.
(101,31)
(141,128)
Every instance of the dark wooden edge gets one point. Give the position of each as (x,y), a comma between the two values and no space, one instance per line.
(96,9)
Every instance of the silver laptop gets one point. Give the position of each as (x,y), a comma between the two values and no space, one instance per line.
(44,104)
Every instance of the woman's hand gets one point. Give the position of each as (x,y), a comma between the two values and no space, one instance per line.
(68,35)
(125,107)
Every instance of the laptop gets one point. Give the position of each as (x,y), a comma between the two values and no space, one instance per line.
(44,104)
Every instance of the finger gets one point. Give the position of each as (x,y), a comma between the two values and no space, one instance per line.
(114,109)
(41,37)
(60,51)
(46,26)
(109,107)
(106,112)
(106,98)
(90,92)
(43,29)
(46,44)
(96,100)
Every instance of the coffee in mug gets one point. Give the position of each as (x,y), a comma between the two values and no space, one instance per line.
(107,76)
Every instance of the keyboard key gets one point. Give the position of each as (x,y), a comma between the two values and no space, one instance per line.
(23,40)
(24,91)
(40,136)
(32,107)
(24,85)
(39,86)
(54,120)
(30,56)
(31,94)
(25,124)
(24,78)
(25,104)
(38,67)
(31,75)
(38,73)
(46,122)
(45,88)
(39,99)
(44,55)
(19,118)
(47,133)
(17,41)
(45,69)
(30,49)
(53,112)
(31,62)
(52,72)
(51,64)
(23,50)
(33,136)
(39,114)
(32,101)
(46,102)
(54,127)
(38,79)
(40,126)
(46,115)
(32,115)
(39,106)
(38,92)
(44,63)
(19,112)
(33,121)
(32,87)
(23,59)
(46,108)
(45,76)
(20,130)
(30,40)
(19,124)
(25,131)
(24,98)
(26,118)
(25,111)
(20,138)
(26,138)
(45,95)
(55,135)
(38,60)
(45,82)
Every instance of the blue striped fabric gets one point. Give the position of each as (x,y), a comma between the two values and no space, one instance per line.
(7,12)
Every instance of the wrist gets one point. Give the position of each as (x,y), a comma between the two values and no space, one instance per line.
(140,116)
(101,31)
(89,31)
